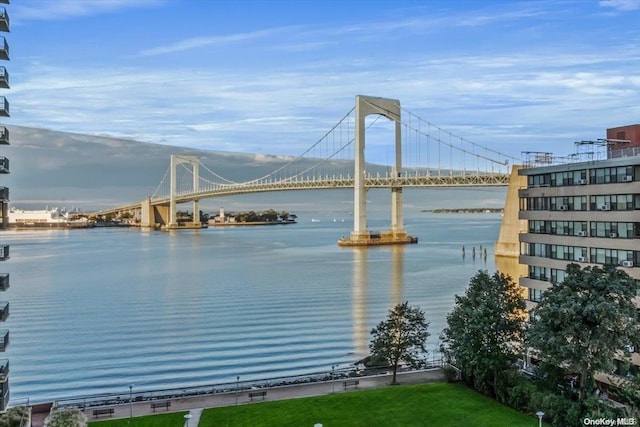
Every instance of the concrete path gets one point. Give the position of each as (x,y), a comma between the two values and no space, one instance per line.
(194,421)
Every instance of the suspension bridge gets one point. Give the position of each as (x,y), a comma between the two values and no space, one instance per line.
(422,155)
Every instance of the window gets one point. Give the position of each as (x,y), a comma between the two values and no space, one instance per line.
(535,295)
(538,180)
(610,256)
(538,273)
(610,175)
(559,179)
(557,276)
(613,202)
(622,230)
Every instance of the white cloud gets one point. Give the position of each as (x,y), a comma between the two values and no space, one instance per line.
(621,5)
(198,42)
(47,10)
(232,111)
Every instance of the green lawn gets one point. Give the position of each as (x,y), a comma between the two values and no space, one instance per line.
(434,404)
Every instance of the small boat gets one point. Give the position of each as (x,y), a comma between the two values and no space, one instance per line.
(315,220)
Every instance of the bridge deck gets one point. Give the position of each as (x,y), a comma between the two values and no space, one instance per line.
(476,180)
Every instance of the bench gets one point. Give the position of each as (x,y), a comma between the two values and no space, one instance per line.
(261,393)
(350,383)
(104,411)
(164,404)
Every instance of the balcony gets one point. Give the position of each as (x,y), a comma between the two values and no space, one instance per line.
(4,310)
(4,20)
(4,78)
(4,252)
(4,370)
(4,135)
(4,384)
(4,339)
(4,49)
(4,165)
(4,107)
(4,281)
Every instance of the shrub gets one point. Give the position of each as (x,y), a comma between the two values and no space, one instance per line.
(66,417)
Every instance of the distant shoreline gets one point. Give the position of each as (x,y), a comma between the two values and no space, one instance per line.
(465,210)
(235,224)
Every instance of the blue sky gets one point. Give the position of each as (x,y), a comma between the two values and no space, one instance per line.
(273,76)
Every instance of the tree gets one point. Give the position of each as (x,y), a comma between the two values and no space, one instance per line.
(485,331)
(586,321)
(401,337)
(66,417)
(15,417)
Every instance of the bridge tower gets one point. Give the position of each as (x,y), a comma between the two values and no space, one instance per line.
(360,236)
(177,160)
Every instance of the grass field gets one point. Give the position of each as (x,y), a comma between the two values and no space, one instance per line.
(432,404)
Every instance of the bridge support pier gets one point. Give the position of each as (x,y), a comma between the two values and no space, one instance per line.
(360,236)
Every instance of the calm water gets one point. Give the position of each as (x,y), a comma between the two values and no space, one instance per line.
(93,311)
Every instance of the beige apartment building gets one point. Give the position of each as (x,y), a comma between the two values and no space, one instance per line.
(581,209)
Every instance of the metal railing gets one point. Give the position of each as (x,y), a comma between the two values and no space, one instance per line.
(126,396)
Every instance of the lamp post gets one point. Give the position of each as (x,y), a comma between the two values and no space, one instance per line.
(333,383)
(187,417)
(540,414)
(237,388)
(130,400)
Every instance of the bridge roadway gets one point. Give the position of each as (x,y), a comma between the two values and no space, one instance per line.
(417,181)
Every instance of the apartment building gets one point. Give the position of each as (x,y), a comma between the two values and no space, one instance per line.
(581,211)
(585,213)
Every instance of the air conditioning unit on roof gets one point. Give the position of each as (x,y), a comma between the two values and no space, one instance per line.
(626,263)
(627,178)
(581,259)
(581,233)
(581,182)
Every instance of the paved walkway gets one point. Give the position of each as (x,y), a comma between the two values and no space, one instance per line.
(195,404)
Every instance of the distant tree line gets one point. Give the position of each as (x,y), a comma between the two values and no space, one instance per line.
(270,215)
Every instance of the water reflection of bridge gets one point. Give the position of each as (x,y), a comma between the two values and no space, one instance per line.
(424,155)
(360,279)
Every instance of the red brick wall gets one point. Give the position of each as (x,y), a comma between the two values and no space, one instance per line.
(630,132)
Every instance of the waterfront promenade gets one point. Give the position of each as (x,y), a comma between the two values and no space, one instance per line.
(195,404)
